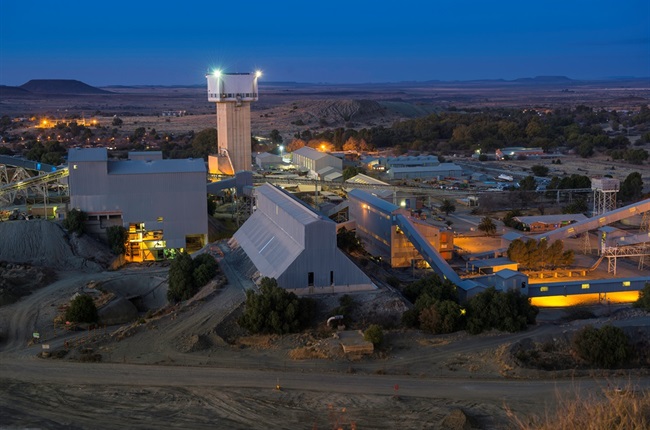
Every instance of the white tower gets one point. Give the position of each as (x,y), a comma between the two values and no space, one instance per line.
(233,94)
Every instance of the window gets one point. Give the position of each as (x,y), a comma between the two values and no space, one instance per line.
(159,219)
(585,286)
(626,283)
(310,279)
(543,288)
(331,277)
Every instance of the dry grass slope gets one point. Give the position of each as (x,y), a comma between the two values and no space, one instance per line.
(612,409)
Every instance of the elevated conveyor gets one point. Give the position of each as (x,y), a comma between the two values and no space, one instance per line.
(428,252)
(34,181)
(596,222)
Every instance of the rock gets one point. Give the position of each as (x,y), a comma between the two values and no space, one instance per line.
(117,311)
(455,420)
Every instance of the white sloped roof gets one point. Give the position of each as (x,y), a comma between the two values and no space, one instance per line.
(269,247)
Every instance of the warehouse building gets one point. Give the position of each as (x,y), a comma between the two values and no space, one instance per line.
(162,203)
(381,237)
(542,223)
(441,171)
(315,161)
(286,240)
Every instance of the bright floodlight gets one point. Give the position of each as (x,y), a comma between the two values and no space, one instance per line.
(216,73)
(258,73)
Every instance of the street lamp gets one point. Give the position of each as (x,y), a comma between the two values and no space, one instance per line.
(281,151)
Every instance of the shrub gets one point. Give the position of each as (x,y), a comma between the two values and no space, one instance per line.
(82,309)
(117,237)
(605,347)
(509,311)
(441,317)
(644,298)
(74,221)
(187,276)
(374,334)
(275,310)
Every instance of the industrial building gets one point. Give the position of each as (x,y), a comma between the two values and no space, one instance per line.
(316,161)
(440,171)
(382,237)
(287,240)
(542,223)
(266,160)
(384,191)
(162,203)
(233,94)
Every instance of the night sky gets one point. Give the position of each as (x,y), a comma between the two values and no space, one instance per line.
(174,43)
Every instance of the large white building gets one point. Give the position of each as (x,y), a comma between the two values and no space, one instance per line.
(162,203)
(319,164)
(233,94)
(286,240)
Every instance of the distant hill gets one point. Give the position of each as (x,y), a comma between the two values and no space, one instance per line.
(7,91)
(546,80)
(60,86)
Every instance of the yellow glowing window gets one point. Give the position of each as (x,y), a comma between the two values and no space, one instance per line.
(74,166)
(585,286)
(543,288)
(159,219)
(626,283)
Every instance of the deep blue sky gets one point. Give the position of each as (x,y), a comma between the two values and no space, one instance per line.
(352,41)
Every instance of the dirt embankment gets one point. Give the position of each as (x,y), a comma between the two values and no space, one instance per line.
(47,244)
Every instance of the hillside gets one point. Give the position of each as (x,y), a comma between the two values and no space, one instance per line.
(60,86)
(7,91)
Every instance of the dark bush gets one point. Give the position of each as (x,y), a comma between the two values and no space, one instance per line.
(605,347)
(644,298)
(275,310)
(509,311)
(187,276)
(74,221)
(117,237)
(82,309)
(374,334)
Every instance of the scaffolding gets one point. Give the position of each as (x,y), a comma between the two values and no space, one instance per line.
(614,252)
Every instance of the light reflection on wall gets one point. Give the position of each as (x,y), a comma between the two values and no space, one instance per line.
(585,299)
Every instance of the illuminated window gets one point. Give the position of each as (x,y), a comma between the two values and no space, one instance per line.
(626,283)
(159,219)
(543,288)
(74,167)
(585,286)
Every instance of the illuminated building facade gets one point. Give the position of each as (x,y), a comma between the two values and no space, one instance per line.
(161,203)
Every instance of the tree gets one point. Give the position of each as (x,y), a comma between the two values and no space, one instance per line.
(275,310)
(275,137)
(348,241)
(605,347)
(212,205)
(295,145)
(82,309)
(204,143)
(539,170)
(205,268)
(644,298)
(631,188)
(74,221)
(447,206)
(181,278)
(441,317)
(506,311)
(117,121)
(374,334)
(488,226)
(350,172)
(117,237)
(528,184)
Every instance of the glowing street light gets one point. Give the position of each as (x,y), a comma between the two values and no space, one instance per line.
(258,74)
(216,73)
(281,150)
